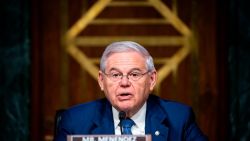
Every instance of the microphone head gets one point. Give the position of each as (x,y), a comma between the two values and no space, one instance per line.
(122,115)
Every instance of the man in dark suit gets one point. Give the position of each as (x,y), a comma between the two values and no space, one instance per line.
(127,76)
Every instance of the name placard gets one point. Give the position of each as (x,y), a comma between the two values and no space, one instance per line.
(109,138)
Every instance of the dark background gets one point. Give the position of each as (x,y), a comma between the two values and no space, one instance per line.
(16,75)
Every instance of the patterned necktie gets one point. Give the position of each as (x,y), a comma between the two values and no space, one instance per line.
(126,126)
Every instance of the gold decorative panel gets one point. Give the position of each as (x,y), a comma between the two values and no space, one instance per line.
(74,41)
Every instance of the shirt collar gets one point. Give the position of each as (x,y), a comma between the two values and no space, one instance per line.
(138,118)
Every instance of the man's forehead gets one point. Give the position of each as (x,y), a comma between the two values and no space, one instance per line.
(125,61)
(130,70)
(125,58)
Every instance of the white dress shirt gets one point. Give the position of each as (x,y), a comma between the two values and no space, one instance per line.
(138,118)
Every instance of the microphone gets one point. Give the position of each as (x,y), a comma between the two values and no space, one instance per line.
(122,116)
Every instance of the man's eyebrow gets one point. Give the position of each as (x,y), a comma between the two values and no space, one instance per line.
(114,69)
(135,69)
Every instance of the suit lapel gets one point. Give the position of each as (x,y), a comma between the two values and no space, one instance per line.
(103,121)
(156,120)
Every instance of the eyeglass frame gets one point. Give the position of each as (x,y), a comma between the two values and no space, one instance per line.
(121,75)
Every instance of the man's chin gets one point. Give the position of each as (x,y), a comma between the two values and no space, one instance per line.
(126,107)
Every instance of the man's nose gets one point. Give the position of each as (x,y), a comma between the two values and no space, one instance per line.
(125,81)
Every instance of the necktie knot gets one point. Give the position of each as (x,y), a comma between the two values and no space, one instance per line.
(126,125)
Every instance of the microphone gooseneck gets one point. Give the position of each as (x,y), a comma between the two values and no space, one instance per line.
(122,116)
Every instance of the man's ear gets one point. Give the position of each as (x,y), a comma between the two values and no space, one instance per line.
(100,80)
(153,80)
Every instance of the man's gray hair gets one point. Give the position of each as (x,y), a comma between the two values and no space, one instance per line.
(126,46)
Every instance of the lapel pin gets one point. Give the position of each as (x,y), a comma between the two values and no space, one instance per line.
(157,133)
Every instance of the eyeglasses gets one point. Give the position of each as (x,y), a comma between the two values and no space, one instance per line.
(116,76)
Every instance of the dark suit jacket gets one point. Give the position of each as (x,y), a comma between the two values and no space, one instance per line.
(174,121)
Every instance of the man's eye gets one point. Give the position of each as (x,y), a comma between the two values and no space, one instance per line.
(116,74)
(134,74)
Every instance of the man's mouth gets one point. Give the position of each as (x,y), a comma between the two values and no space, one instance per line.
(124,96)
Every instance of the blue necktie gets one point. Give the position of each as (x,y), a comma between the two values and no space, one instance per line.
(126,126)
